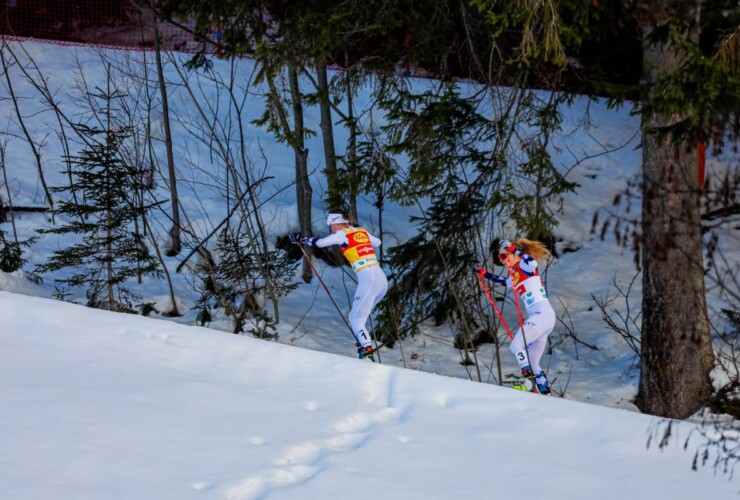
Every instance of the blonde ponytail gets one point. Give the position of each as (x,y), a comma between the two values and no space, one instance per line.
(537,250)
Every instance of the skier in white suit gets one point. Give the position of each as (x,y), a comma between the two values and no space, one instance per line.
(356,244)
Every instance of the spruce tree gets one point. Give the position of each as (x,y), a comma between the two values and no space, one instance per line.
(459,175)
(11,253)
(109,250)
(233,282)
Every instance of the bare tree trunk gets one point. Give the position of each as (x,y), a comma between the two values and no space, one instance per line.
(22,125)
(352,149)
(676,344)
(109,211)
(175,243)
(334,196)
(303,186)
(7,190)
(41,85)
(174,312)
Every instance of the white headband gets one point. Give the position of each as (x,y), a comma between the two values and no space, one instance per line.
(336,219)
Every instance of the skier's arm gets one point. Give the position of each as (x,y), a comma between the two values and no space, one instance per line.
(338,238)
(528,264)
(500,280)
(374,241)
(489,276)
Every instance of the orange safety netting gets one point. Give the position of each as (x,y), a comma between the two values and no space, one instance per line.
(110,23)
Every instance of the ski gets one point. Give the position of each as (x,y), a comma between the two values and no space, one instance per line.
(520,383)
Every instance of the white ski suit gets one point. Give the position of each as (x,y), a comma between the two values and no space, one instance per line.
(357,245)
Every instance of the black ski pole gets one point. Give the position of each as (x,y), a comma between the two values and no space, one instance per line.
(308,259)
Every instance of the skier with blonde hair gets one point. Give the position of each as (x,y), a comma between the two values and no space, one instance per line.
(524,278)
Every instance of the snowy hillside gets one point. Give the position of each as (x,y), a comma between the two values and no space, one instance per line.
(97,405)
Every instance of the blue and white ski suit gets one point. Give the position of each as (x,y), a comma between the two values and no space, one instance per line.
(524,279)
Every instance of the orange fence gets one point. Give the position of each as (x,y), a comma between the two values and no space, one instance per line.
(110,23)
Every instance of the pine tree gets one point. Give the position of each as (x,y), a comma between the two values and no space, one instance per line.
(691,95)
(102,215)
(233,282)
(461,167)
(11,253)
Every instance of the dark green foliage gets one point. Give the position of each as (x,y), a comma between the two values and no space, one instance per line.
(734,318)
(430,263)
(528,209)
(534,29)
(373,170)
(459,165)
(109,251)
(727,399)
(147,308)
(234,283)
(11,253)
(441,133)
(702,94)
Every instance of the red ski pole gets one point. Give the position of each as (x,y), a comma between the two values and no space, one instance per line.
(490,299)
(521,321)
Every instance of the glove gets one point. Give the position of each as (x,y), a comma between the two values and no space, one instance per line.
(306,240)
(507,245)
(296,237)
(483,273)
(479,271)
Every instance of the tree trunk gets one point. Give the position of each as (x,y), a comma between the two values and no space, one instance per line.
(676,344)
(22,124)
(303,186)
(333,196)
(175,244)
(352,149)
(109,203)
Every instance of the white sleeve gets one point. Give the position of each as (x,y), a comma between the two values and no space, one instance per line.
(374,240)
(528,264)
(338,238)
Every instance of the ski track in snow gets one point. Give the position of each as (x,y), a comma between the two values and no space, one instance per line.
(303,461)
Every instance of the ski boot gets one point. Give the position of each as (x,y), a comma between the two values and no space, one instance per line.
(366,353)
(527,372)
(543,388)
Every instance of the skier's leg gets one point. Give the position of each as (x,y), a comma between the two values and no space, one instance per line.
(544,317)
(363,302)
(380,287)
(535,350)
(530,332)
(540,322)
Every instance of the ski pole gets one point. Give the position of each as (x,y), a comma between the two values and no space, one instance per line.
(490,299)
(308,259)
(521,321)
